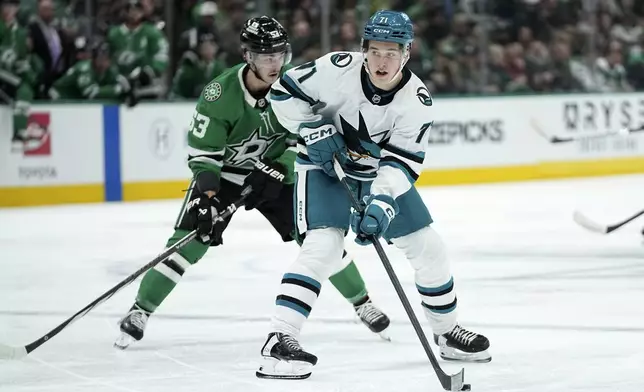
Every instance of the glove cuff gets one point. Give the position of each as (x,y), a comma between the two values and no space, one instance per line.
(207,181)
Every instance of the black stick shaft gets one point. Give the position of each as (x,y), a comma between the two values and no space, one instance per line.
(623,132)
(620,224)
(108,294)
(445,380)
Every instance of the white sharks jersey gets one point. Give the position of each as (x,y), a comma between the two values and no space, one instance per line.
(385,131)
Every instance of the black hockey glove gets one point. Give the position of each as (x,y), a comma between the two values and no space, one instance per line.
(201,211)
(266,181)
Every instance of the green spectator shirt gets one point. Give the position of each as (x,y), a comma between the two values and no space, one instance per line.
(144,46)
(193,74)
(82,82)
(14,54)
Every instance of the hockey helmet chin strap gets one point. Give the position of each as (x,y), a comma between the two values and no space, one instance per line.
(403,61)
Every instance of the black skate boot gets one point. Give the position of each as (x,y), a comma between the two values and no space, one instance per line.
(372,317)
(284,351)
(459,344)
(132,327)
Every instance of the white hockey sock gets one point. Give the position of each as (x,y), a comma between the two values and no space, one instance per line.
(319,255)
(426,253)
(346,260)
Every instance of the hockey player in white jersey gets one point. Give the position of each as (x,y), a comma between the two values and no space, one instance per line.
(375,114)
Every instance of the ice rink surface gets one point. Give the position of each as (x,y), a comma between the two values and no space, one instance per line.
(563,307)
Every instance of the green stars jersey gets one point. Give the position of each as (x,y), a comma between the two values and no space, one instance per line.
(193,74)
(14,59)
(230,130)
(144,46)
(82,82)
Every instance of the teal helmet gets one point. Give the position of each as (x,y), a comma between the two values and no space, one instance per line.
(389,26)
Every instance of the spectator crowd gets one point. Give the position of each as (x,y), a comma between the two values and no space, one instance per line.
(52,50)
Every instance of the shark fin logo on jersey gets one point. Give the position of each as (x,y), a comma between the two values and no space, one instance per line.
(358,139)
(341,60)
(424,96)
(212,92)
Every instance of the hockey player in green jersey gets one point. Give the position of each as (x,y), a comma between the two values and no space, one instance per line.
(235,141)
(140,51)
(95,78)
(17,79)
(197,68)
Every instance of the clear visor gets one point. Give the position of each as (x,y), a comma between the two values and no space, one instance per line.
(270,59)
(388,55)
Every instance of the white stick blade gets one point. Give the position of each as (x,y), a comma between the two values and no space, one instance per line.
(8,352)
(588,224)
(457,380)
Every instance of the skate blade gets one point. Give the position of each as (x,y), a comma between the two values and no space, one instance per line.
(450,354)
(124,341)
(384,335)
(288,370)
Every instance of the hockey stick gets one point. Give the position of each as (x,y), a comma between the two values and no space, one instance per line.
(8,352)
(593,226)
(557,139)
(449,382)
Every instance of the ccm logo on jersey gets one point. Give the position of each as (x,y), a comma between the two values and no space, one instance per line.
(269,171)
(468,132)
(313,135)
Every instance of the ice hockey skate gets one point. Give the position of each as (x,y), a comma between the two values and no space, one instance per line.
(132,327)
(373,318)
(284,358)
(462,345)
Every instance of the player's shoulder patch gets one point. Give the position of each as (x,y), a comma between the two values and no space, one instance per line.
(342,59)
(424,96)
(212,91)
